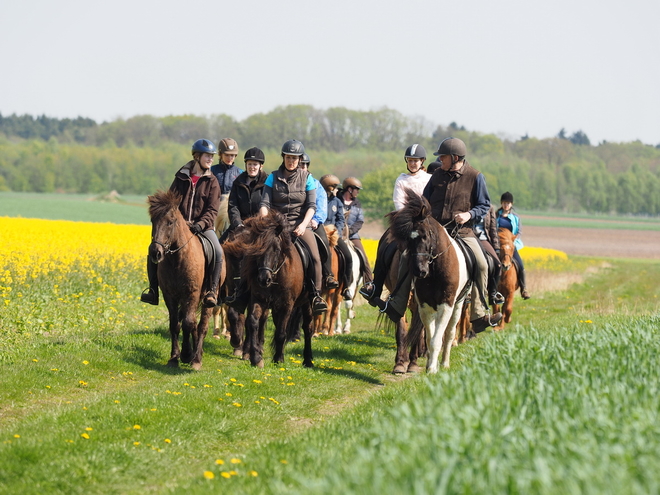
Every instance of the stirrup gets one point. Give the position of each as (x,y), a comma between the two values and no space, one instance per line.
(210,301)
(319,306)
(368,290)
(498,298)
(149,296)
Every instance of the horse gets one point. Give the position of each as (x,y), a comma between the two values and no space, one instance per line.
(509,279)
(440,276)
(324,324)
(179,256)
(275,274)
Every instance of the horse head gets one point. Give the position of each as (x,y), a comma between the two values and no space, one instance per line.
(415,230)
(506,238)
(268,245)
(166,222)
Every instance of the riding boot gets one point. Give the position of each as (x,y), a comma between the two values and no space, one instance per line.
(523,285)
(150,295)
(211,298)
(319,306)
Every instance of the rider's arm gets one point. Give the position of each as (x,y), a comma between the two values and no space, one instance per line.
(480,199)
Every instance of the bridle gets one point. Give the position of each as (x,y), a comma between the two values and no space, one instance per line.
(269,269)
(432,257)
(166,247)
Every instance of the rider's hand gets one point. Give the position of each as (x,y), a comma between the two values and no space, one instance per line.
(314,224)
(461,218)
(196,228)
(299,230)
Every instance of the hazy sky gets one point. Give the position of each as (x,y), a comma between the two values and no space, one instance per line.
(509,66)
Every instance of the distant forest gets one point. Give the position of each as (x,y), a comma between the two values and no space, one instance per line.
(141,154)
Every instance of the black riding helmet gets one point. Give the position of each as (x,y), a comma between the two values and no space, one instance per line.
(304,160)
(452,146)
(415,151)
(507,197)
(255,154)
(293,147)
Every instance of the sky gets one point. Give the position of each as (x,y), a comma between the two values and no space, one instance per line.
(509,67)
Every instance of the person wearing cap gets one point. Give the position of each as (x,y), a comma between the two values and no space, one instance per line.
(225,170)
(319,218)
(459,198)
(200,198)
(335,217)
(354,216)
(507,219)
(415,180)
(292,191)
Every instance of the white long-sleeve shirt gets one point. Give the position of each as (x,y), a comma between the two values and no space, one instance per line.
(416,183)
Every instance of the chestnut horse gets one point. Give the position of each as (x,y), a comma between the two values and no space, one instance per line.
(509,279)
(275,276)
(440,276)
(180,258)
(324,324)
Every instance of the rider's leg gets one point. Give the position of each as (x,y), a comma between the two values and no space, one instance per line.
(318,304)
(328,276)
(479,312)
(210,298)
(384,257)
(493,277)
(150,295)
(348,268)
(521,275)
(396,305)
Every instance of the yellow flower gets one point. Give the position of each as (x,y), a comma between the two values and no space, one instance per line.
(225,474)
(236,404)
(253,473)
(235,461)
(89,428)
(17,436)
(257,381)
(85,436)
(136,427)
(219,462)
(136,443)
(85,362)
(209,475)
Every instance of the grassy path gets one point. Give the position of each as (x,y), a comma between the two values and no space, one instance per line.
(563,401)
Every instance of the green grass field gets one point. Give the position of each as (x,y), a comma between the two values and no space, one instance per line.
(565,400)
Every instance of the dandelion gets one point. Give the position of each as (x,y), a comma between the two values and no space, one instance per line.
(209,475)
(235,461)
(85,436)
(253,473)
(116,402)
(225,474)
(257,381)
(17,436)
(136,443)
(85,362)
(167,440)
(284,461)
(236,404)
(35,360)
(219,462)
(89,429)
(82,383)
(136,427)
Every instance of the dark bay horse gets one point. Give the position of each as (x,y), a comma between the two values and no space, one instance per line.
(275,276)
(180,259)
(509,278)
(440,276)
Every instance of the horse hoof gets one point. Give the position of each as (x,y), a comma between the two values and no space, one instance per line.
(173,363)
(238,353)
(196,366)
(216,336)
(414,368)
(308,364)
(260,364)
(399,369)
(246,357)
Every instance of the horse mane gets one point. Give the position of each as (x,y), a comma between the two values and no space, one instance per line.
(412,216)
(162,202)
(505,234)
(332,234)
(259,235)
(222,220)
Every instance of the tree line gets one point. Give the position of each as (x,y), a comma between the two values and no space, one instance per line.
(141,154)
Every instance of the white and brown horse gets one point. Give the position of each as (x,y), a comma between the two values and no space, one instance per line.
(440,276)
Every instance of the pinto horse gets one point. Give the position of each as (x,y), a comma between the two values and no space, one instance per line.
(509,279)
(180,258)
(275,275)
(440,276)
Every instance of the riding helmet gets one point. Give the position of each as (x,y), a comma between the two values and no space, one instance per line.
(507,197)
(293,147)
(304,159)
(415,151)
(228,146)
(329,180)
(255,154)
(451,146)
(204,146)
(351,182)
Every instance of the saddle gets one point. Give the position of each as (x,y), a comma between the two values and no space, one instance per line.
(471,263)
(209,256)
(306,258)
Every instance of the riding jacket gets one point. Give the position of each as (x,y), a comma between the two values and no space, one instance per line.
(291,196)
(226,175)
(353,214)
(486,230)
(336,214)
(321,213)
(200,202)
(244,198)
(452,192)
(416,183)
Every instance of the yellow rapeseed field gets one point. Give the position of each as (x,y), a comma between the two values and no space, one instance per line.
(31,249)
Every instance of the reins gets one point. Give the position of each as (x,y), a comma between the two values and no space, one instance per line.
(166,247)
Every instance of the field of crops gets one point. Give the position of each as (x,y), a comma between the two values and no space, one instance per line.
(565,400)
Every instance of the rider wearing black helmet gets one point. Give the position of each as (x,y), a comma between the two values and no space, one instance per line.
(200,195)
(507,219)
(292,192)
(319,218)
(354,215)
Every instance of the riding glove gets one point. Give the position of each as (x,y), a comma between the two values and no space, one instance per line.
(196,228)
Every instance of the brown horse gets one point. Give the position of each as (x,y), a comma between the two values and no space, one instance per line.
(509,279)
(180,259)
(275,276)
(325,323)
(440,277)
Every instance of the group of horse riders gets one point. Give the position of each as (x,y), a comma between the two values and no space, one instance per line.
(460,202)
(307,204)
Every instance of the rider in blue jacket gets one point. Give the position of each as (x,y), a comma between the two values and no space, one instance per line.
(507,219)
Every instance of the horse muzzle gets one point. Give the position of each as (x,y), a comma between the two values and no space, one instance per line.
(156,253)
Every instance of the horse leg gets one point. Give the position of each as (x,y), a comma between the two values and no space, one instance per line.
(401,360)
(175,353)
(307,329)
(453,315)
(198,338)
(189,327)
(281,321)
(217,318)
(254,333)
(236,330)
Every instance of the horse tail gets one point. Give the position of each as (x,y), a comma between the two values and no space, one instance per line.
(416,331)
(294,325)
(222,220)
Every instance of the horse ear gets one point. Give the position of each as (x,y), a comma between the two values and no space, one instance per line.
(425,208)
